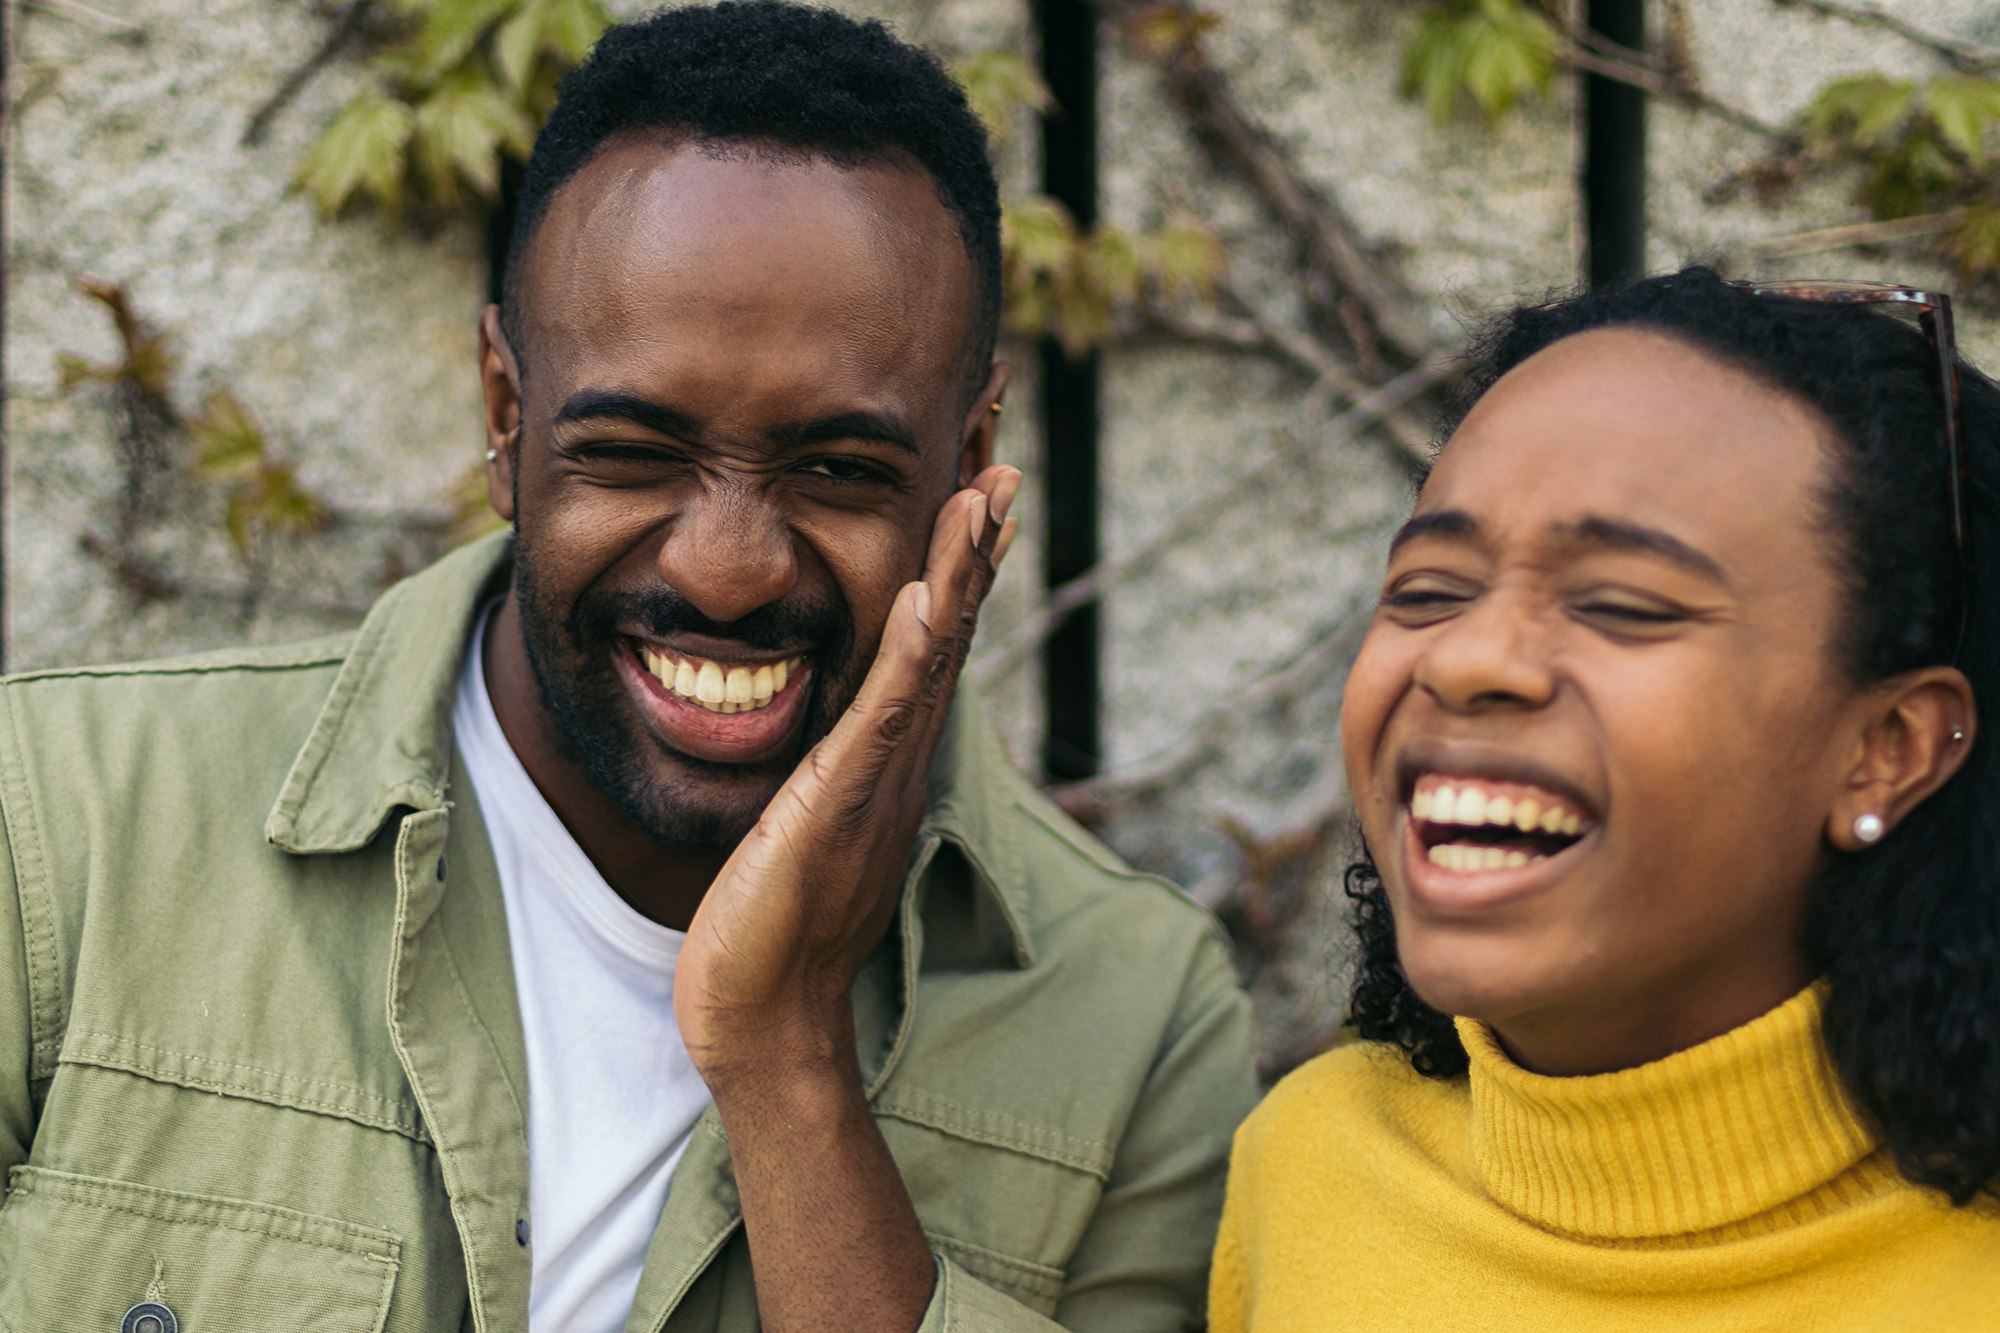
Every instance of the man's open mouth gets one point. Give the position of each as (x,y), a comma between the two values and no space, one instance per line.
(1472,824)
(720,687)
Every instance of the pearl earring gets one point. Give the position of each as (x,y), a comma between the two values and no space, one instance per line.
(1869,828)
(1958,733)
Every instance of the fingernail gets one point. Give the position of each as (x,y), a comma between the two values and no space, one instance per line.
(978,520)
(1004,493)
(1005,540)
(923,604)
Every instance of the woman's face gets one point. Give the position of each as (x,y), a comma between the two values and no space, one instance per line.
(1598,726)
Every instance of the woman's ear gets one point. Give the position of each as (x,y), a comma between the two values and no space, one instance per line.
(1918,730)
(500,384)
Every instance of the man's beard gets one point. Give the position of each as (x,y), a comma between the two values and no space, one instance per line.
(674,798)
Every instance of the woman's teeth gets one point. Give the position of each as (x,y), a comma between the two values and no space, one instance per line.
(1469,824)
(719,688)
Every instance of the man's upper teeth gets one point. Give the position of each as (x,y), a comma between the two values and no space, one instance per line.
(1472,803)
(716,687)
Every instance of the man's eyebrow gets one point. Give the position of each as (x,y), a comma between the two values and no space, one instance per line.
(1618,535)
(1437,523)
(605,405)
(884,426)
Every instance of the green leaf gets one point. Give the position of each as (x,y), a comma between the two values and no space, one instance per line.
(451,29)
(572,27)
(1038,237)
(998,84)
(1918,176)
(73,372)
(1974,243)
(1861,111)
(360,153)
(1111,264)
(1962,106)
(228,441)
(1167,30)
(1185,260)
(562,29)
(1494,52)
(518,43)
(461,130)
(285,508)
(1081,317)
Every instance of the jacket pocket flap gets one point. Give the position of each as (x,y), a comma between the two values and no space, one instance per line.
(76,1252)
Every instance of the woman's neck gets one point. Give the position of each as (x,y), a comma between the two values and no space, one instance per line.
(1600,1034)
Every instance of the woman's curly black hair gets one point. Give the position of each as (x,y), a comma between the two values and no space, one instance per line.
(1907,932)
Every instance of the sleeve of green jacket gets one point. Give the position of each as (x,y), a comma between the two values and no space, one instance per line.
(1142,1266)
(17,1126)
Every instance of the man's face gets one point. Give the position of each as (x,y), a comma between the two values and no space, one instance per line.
(743,405)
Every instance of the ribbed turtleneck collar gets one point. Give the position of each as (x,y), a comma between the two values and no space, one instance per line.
(1706,1137)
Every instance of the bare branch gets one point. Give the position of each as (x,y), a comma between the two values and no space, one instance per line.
(1260,331)
(1010,653)
(346,26)
(1594,53)
(1857,234)
(1355,293)
(1961,55)
(122,28)
(1093,798)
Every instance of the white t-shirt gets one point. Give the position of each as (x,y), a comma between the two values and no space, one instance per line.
(612,1094)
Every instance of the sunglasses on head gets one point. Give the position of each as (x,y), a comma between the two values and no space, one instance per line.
(1933,311)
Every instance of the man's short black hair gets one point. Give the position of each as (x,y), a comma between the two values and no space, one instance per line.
(795,77)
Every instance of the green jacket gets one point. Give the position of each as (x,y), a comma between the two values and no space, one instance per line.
(261,1059)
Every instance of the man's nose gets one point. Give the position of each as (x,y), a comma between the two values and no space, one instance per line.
(729,552)
(1494,654)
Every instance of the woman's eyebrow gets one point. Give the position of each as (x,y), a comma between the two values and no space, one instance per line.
(1619,535)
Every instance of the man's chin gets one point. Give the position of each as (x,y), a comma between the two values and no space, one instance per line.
(697,805)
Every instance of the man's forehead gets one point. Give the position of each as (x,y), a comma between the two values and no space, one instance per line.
(654,199)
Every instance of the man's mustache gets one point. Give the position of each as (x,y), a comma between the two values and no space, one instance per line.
(787,625)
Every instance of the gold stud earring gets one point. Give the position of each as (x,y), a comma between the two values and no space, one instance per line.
(997,409)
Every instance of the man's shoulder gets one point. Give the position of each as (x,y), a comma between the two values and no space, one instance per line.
(233,703)
(305,655)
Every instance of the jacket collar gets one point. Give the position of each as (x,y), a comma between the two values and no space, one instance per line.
(383,742)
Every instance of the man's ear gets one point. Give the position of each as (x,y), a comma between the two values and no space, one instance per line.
(1917,732)
(500,383)
(982,425)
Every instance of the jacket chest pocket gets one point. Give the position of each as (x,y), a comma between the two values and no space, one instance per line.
(78,1252)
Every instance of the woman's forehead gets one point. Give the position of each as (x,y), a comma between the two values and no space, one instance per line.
(1634,425)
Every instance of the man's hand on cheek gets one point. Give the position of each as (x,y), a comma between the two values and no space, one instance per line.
(761,992)
(763,980)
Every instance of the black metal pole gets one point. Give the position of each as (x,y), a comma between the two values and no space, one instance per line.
(1614,155)
(1071,746)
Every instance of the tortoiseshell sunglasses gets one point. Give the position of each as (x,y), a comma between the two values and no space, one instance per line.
(1933,311)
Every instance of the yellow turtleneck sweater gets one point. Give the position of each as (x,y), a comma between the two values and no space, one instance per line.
(1731,1186)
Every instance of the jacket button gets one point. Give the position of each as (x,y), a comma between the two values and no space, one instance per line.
(149,1317)
(521,1231)
(440,869)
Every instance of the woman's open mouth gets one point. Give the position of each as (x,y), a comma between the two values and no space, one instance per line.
(1476,824)
(1478,841)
